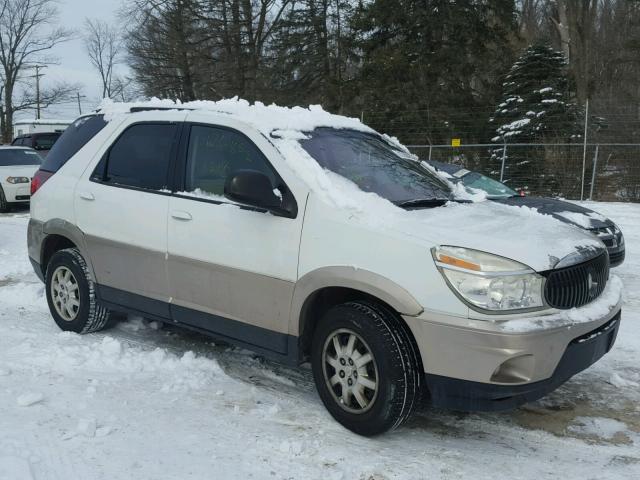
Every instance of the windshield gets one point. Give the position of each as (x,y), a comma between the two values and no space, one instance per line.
(489,185)
(375,166)
(17,156)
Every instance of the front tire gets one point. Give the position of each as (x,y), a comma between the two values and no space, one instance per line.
(366,367)
(71,294)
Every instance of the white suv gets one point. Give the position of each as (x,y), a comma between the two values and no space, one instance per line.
(308,236)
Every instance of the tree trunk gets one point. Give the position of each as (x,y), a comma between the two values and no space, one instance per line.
(562,27)
(7,114)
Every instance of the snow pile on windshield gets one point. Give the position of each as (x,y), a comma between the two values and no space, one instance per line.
(460,191)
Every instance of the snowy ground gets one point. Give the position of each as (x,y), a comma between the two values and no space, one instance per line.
(138,402)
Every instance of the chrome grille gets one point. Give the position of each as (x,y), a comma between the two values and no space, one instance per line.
(577,285)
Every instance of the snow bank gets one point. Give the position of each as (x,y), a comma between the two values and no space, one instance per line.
(109,356)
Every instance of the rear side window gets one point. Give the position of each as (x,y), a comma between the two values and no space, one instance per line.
(73,139)
(140,157)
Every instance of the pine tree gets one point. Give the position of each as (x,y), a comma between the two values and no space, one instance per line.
(427,64)
(536,102)
(537,107)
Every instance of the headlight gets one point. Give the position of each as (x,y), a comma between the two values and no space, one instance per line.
(18,179)
(489,282)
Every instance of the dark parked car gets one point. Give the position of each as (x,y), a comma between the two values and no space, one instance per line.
(42,142)
(564,211)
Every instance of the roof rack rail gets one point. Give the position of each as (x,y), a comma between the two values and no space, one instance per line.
(147,109)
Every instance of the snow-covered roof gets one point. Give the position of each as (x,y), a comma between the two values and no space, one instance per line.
(265,118)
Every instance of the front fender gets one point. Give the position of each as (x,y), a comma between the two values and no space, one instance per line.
(357,279)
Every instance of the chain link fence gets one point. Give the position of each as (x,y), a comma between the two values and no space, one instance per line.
(597,171)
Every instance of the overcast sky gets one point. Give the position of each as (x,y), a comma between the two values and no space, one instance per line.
(73,63)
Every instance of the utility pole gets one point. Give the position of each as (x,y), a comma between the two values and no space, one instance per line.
(37,77)
(79,104)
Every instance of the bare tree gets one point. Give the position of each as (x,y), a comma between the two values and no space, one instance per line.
(103,47)
(27,33)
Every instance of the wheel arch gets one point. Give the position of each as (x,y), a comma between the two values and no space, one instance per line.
(321,289)
(59,234)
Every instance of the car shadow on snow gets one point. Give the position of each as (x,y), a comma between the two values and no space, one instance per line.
(16,210)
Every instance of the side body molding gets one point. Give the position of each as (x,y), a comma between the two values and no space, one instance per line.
(350,277)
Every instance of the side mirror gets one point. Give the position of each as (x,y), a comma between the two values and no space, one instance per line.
(253,188)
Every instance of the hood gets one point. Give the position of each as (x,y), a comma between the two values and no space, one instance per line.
(564,211)
(516,232)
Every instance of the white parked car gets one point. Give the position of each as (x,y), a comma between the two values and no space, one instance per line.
(307,236)
(17,166)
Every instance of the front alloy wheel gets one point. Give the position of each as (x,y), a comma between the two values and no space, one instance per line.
(350,371)
(366,366)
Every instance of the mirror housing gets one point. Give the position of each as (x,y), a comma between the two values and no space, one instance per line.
(254,188)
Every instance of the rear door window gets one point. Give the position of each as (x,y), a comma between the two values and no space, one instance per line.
(140,157)
(73,139)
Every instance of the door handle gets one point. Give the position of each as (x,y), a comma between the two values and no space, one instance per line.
(87,196)
(180,215)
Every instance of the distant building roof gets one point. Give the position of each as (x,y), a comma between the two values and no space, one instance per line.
(43,121)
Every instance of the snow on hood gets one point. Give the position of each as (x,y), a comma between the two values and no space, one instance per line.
(516,232)
(519,233)
(562,210)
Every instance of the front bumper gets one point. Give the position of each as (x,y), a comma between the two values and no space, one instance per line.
(473,364)
(466,395)
(18,192)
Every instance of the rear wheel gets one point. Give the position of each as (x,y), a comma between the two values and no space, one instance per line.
(71,294)
(365,367)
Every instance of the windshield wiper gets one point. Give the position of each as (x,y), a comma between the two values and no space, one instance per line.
(422,203)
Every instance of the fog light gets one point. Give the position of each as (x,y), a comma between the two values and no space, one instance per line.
(515,370)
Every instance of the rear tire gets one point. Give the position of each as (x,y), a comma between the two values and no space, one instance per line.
(71,294)
(373,396)
(4,205)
